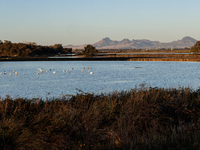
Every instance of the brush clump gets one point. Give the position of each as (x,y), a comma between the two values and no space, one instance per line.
(152,118)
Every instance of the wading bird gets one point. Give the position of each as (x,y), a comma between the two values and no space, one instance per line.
(41,70)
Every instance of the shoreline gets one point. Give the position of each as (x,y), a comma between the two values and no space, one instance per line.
(124,57)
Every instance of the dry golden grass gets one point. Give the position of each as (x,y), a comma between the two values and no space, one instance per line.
(138,119)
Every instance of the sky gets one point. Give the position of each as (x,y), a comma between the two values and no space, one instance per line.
(77,22)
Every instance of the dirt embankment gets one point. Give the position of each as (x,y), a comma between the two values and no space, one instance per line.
(174,57)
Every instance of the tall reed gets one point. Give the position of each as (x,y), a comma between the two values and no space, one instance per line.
(145,118)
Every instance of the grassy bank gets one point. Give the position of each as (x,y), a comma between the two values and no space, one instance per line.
(136,119)
(114,57)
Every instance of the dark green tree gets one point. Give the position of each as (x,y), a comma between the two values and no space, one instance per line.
(58,47)
(90,50)
(7,47)
(13,50)
(196,48)
(27,52)
(67,50)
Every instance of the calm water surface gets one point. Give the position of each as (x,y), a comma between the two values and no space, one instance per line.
(108,76)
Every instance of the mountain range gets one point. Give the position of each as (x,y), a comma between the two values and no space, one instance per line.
(107,43)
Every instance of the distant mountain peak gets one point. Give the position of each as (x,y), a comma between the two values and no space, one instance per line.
(188,38)
(106,38)
(126,40)
(107,43)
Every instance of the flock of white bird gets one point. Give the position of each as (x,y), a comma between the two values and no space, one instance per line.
(10,74)
(41,71)
(88,70)
(67,71)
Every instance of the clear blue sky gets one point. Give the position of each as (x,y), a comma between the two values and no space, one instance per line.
(78,22)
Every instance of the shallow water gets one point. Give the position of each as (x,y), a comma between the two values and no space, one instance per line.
(107,76)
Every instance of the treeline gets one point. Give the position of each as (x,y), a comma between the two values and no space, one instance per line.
(7,48)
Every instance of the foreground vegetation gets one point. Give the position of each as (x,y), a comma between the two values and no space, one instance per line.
(137,119)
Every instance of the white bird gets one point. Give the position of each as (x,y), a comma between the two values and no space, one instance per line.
(41,70)
(67,71)
(63,70)
(54,72)
(81,70)
(47,71)
(10,74)
(16,73)
(38,73)
(91,72)
(1,73)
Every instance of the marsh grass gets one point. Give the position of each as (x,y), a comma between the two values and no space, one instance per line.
(152,118)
